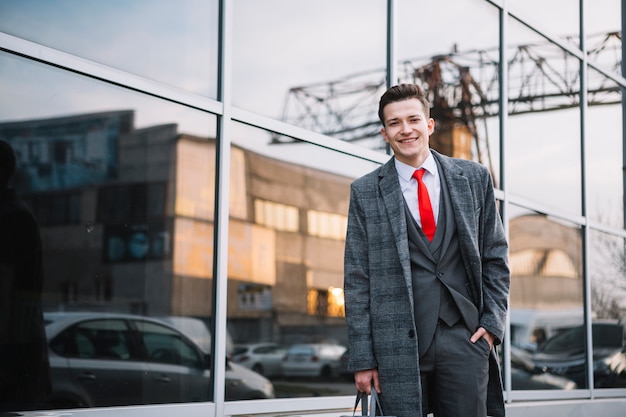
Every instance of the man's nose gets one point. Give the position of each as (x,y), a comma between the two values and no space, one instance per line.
(406,127)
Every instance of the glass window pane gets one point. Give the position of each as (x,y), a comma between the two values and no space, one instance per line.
(171,42)
(331,64)
(546,300)
(100,176)
(604,34)
(458,66)
(541,15)
(544,141)
(605,184)
(608,292)
(286,283)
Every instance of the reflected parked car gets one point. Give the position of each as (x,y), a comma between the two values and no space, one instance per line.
(103,359)
(198,331)
(313,360)
(611,371)
(526,376)
(263,358)
(564,353)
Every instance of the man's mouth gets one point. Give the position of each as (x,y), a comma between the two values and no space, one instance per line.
(407,140)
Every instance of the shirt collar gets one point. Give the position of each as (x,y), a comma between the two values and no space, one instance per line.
(406,171)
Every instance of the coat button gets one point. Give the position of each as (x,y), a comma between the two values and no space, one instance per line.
(411,334)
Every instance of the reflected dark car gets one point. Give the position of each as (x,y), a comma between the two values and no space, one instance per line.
(526,376)
(611,371)
(262,358)
(564,354)
(101,359)
(313,360)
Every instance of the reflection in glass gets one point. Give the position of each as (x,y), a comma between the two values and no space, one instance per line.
(605,177)
(172,42)
(124,198)
(608,292)
(541,15)
(285,264)
(603,28)
(331,64)
(546,300)
(544,127)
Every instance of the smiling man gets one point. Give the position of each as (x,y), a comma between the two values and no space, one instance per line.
(426,274)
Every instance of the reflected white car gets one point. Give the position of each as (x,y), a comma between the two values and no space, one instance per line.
(263,358)
(104,359)
(313,360)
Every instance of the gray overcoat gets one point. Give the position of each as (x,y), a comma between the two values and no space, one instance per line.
(377,278)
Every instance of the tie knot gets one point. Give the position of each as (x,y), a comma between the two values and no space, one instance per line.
(419,173)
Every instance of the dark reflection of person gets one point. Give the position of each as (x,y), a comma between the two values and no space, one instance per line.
(24,368)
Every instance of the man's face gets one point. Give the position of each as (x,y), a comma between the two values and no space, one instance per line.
(407,130)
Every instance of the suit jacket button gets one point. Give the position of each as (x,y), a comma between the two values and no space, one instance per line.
(411,334)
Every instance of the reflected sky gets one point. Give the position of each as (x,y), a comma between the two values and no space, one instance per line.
(166,36)
(277,44)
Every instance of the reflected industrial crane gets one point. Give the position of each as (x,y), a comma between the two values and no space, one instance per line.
(463,89)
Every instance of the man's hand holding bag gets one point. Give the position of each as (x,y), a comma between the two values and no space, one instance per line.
(374,410)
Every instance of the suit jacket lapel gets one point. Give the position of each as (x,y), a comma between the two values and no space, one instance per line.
(463,207)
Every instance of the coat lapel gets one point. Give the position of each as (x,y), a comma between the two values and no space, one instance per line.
(394,204)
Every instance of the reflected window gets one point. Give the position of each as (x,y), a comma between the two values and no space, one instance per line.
(134,202)
(328,302)
(57,208)
(328,225)
(544,262)
(95,339)
(164,345)
(277,216)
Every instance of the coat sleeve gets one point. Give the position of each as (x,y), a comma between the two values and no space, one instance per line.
(494,260)
(357,287)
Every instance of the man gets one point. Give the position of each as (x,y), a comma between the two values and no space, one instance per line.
(24,368)
(426,282)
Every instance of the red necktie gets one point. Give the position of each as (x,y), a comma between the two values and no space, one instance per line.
(426,209)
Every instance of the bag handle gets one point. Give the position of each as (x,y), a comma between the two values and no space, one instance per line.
(362,397)
(375,404)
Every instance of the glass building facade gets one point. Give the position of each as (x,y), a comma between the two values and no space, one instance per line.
(189,163)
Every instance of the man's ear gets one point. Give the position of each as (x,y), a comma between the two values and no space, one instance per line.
(383,132)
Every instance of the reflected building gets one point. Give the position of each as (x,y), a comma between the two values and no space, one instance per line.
(546,279)
(546,264)
(127,225)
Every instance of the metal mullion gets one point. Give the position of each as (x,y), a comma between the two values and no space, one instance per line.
(221,217)
(504,99)
(584,202)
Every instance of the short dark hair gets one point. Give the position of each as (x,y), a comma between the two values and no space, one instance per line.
(402,92)
(7,163)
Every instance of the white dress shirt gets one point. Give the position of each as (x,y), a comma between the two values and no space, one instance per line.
(408,185)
